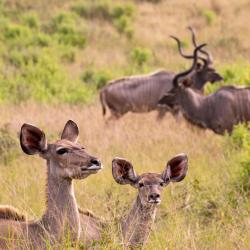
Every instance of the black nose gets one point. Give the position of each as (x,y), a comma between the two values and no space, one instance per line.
(154,196)
(95,162)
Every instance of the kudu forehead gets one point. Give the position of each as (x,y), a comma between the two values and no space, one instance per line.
(150,178)
(67,144)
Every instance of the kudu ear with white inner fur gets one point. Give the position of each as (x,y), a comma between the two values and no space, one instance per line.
(176,169)
(123,172)
(70,131)
(32,140)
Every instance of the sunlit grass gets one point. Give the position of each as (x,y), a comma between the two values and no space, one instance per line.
(195,214)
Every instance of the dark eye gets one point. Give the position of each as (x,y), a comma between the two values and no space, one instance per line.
(141,184)
(62,151)
(161,184)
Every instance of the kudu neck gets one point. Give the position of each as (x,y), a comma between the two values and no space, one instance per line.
(192,105)
(61,212)
(136,226)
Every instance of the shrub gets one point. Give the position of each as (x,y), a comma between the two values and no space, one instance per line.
(93,9)
(96,78)
(140,56)
(240,140)
(120,10)
(31,20)
(66,31)
(72,39)
(240,137)
(234,74)
(124,26)
(43,79)
(209,16)
(119,14)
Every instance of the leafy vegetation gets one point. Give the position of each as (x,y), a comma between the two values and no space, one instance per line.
(57,53)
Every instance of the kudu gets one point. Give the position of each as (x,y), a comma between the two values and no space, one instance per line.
(219,111)
(136,226)
(66,160)
(141,93)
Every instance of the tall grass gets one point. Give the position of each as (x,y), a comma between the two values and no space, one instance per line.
(208,210)
(55,55)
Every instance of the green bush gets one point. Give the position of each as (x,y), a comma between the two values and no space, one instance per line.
(234,74)
(125,9)
(140,56)
(240,137)
(240,140)
(209,16)
(93,9)
(96,78)
(119,14)
(42,79)
(124,26)
(31,20)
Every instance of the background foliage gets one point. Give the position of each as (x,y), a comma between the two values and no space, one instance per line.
(54,57)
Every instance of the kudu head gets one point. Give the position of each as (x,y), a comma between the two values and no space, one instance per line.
(66,158)
(150,185)
(181,81)
(202,73)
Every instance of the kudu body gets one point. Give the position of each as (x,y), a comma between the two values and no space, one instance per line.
(141,93)
(219,111)
(66,160)
(137,224)
(91,226)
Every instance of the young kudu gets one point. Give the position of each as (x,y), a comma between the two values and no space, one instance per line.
(137,224)
(66,160)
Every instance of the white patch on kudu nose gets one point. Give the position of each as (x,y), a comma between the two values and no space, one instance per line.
(95,167)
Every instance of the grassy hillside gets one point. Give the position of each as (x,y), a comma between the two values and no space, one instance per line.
(63,51)
(55,55)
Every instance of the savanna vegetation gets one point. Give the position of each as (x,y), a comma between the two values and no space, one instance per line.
(56,55)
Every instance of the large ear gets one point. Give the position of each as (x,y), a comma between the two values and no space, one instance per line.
(176,169)
(123,172)
(32,140)
(70,131)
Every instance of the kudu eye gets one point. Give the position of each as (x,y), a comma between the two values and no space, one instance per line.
(141,184)
(162,184)
(62,151)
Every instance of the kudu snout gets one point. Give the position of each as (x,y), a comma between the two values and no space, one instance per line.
(94,164)
(154,194)
(154,198)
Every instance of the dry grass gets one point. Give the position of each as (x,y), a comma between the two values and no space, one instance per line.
(148,144)
(209,221)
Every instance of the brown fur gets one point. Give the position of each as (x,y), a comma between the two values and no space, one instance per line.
(10,213)
(91,228)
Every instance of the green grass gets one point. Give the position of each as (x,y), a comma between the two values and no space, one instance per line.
(211,204)
(56,55)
